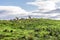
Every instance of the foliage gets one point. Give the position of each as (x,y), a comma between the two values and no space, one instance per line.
(30,29)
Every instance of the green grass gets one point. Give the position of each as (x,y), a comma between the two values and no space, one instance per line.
(30,29)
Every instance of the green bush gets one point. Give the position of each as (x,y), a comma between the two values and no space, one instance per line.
(30,29)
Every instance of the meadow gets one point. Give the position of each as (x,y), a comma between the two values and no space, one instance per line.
(30,29)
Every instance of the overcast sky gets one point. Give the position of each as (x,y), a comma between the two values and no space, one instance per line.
(37,8)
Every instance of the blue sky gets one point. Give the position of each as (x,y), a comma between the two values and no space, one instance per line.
(20,3)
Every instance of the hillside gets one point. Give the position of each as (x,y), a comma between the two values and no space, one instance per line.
(30,29)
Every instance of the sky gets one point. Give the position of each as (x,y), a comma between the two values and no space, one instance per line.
(10,9)
(19,3)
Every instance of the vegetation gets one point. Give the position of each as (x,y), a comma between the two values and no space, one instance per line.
(30,29)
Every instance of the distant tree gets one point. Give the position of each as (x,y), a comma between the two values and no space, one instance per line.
(17,18)
(29,17)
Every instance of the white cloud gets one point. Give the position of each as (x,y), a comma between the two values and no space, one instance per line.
(47,5)
(43,6)
(13,11)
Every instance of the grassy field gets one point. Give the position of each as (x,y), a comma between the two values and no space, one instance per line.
(30,29)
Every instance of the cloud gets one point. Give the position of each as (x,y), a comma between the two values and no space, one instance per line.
(11,12)
(53,14)
(47,5)
(46,9)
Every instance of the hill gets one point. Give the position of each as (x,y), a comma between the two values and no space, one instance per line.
(30,29)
